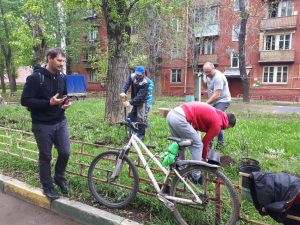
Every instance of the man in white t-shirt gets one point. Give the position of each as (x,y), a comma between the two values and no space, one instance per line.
(218,91)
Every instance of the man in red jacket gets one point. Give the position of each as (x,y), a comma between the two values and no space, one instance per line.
(185,120)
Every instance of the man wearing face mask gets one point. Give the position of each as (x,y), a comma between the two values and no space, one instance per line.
(139,93)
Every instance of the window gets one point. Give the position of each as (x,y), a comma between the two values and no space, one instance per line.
(93,34)
(135,50)
(177,24)
(278,42)
(275,74)
(235,32)
(270,42)
(92,54)
(280,9)
(206,15)
(92,76)
(207,46)
(90,14)
(234,60)
(175,76)
(176,51)
(236,4)
(133,29)
(286,8)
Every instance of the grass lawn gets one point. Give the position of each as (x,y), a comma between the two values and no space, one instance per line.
(272,139)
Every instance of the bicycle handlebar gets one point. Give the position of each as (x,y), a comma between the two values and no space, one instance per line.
(133,125)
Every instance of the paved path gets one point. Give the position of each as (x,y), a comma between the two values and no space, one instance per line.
(14,211)
(265,108)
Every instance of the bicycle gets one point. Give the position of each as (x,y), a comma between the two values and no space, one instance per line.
(113,180)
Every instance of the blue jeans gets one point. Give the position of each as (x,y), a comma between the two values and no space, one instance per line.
(221,106)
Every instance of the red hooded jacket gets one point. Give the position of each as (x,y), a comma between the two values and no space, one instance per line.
(205,118)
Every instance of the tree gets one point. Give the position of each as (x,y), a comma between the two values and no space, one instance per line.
(116,14)
(3,88)
(5,46)
(242,58)
(155,41)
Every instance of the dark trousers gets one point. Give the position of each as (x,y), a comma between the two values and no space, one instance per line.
(46,136)
(138,114)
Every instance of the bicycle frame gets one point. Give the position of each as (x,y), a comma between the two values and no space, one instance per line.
(134,141)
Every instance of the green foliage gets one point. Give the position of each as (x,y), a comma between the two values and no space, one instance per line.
(272,139)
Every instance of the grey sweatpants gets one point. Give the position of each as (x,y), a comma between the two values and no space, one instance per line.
(181,128)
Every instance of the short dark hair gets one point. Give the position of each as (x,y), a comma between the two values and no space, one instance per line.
(231,119)
(54,52)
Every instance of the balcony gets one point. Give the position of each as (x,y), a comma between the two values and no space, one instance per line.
(207,31)
(277,56)
(207,58)
(208,3)
(90,14)
(288,22)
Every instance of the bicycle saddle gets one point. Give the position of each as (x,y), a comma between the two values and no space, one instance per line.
(181,141)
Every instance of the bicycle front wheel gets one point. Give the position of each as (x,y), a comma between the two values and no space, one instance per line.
(117,192)
(220,204)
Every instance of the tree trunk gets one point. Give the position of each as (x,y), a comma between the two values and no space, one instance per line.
(2,77)
(7,54)
(118,71)
(242,58)
(118,33)
(39,49)
(154,45)
(155,70)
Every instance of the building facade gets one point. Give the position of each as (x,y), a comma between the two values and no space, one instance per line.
(272,49)
(94,42)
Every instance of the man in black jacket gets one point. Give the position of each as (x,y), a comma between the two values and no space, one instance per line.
(139,93)
(44,94)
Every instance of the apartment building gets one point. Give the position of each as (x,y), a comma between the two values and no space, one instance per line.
(94,41)
(272,49)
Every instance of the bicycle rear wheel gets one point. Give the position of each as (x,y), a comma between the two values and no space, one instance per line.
(115,193)
(220,201)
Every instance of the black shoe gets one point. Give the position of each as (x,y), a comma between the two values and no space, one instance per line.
(197,180)
(63,185)
(50,193)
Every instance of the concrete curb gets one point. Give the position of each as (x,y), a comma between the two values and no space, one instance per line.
(77,211)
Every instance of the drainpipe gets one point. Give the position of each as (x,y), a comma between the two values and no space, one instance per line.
(186,46)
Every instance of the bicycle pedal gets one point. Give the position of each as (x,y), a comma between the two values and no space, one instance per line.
(204,198)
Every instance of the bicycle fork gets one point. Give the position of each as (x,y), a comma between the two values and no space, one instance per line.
(119,163)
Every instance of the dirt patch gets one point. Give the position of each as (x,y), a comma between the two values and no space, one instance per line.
(226,160)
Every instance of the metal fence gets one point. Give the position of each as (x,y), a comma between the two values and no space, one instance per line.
(21,144)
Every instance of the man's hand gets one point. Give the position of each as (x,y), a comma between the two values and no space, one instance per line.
(56,101)
(126,103)
(204,79)
(67,104)
(123,97)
